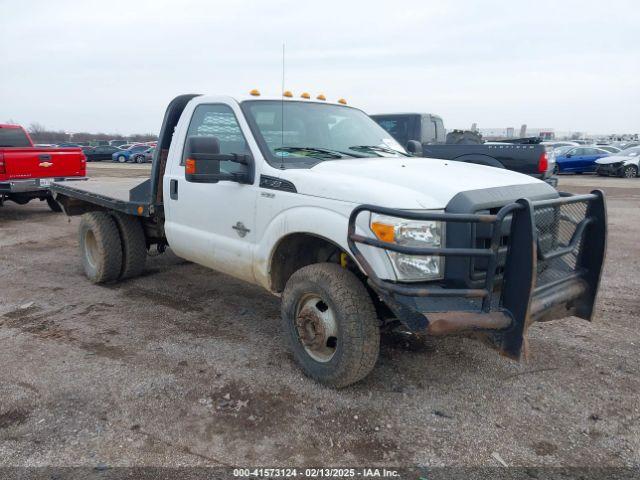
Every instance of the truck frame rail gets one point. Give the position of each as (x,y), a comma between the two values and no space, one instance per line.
(553,266)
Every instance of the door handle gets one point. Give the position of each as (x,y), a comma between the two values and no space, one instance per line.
(173,189)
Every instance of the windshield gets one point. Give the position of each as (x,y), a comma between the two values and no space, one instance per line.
(305,133)
(630,152)
(562,150)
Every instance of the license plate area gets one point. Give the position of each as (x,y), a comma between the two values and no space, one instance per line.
(45,182)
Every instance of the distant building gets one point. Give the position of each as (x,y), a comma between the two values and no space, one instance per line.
(510,132)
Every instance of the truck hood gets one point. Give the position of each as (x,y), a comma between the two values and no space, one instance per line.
(408,183)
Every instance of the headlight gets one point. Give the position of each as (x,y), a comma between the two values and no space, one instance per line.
(411,233)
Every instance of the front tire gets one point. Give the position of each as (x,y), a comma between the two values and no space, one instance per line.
(122,158)
(630,171)
(331,324)
(100,247)
(556,169)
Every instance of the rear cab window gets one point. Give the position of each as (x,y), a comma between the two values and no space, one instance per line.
(13,137)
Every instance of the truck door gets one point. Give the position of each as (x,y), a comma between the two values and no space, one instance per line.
(211,223)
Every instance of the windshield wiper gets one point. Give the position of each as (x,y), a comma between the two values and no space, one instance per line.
(331,154)
(378,148)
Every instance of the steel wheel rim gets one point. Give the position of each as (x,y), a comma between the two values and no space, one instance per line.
(316,327)
(90,247)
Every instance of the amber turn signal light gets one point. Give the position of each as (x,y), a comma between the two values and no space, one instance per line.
(190,166)
(384,232)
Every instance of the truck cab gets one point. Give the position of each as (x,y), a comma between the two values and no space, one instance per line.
(316,203)
(427,127)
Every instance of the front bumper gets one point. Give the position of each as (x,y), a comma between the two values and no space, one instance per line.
(611,169)
(552,269)
(32,185)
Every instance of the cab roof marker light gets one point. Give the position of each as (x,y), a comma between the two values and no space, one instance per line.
(287,93)
(321,97)
(305,95)
(342,101)
(255,92)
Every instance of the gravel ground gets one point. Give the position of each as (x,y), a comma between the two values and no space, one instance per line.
(184,366)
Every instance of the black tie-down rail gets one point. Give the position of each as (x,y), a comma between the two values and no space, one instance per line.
(553,265)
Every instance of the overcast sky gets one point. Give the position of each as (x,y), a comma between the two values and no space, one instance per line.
(113,65)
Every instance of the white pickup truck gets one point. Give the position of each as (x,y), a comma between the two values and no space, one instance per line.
(317,204)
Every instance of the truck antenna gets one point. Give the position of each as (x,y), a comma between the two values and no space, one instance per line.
(282,114)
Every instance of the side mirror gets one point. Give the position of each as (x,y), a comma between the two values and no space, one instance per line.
(203,162)
(414,147)
(569,155)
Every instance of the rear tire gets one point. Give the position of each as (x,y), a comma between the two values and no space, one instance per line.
(53,205)
(100,247)
(556,169)
(331,324)
(134,245)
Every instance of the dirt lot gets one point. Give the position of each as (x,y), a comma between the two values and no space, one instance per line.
(184,366)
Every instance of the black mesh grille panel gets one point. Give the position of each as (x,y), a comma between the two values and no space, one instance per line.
(555,228)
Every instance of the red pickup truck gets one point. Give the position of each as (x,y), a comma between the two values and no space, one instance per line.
(26,172)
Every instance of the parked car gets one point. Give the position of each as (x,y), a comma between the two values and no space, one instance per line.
(26,171)
(558,144)
(422,134)
(625,145)
(117,143)
(101,152)
(622,164)
(351,232)
(123,156)
(609,148)
(579,160)
(144,157)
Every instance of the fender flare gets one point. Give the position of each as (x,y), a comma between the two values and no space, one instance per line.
(312,221)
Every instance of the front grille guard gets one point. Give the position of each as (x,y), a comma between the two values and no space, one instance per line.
(522,298)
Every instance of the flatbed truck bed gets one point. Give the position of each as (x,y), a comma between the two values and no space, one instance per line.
(126,195)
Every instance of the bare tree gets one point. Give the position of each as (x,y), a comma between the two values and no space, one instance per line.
(36,128)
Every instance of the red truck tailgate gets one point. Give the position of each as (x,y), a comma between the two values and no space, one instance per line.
(22,163)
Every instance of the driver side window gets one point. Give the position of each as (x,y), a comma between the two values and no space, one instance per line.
(218,120)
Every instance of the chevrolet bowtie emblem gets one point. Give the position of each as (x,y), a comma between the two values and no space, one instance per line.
(46,164)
